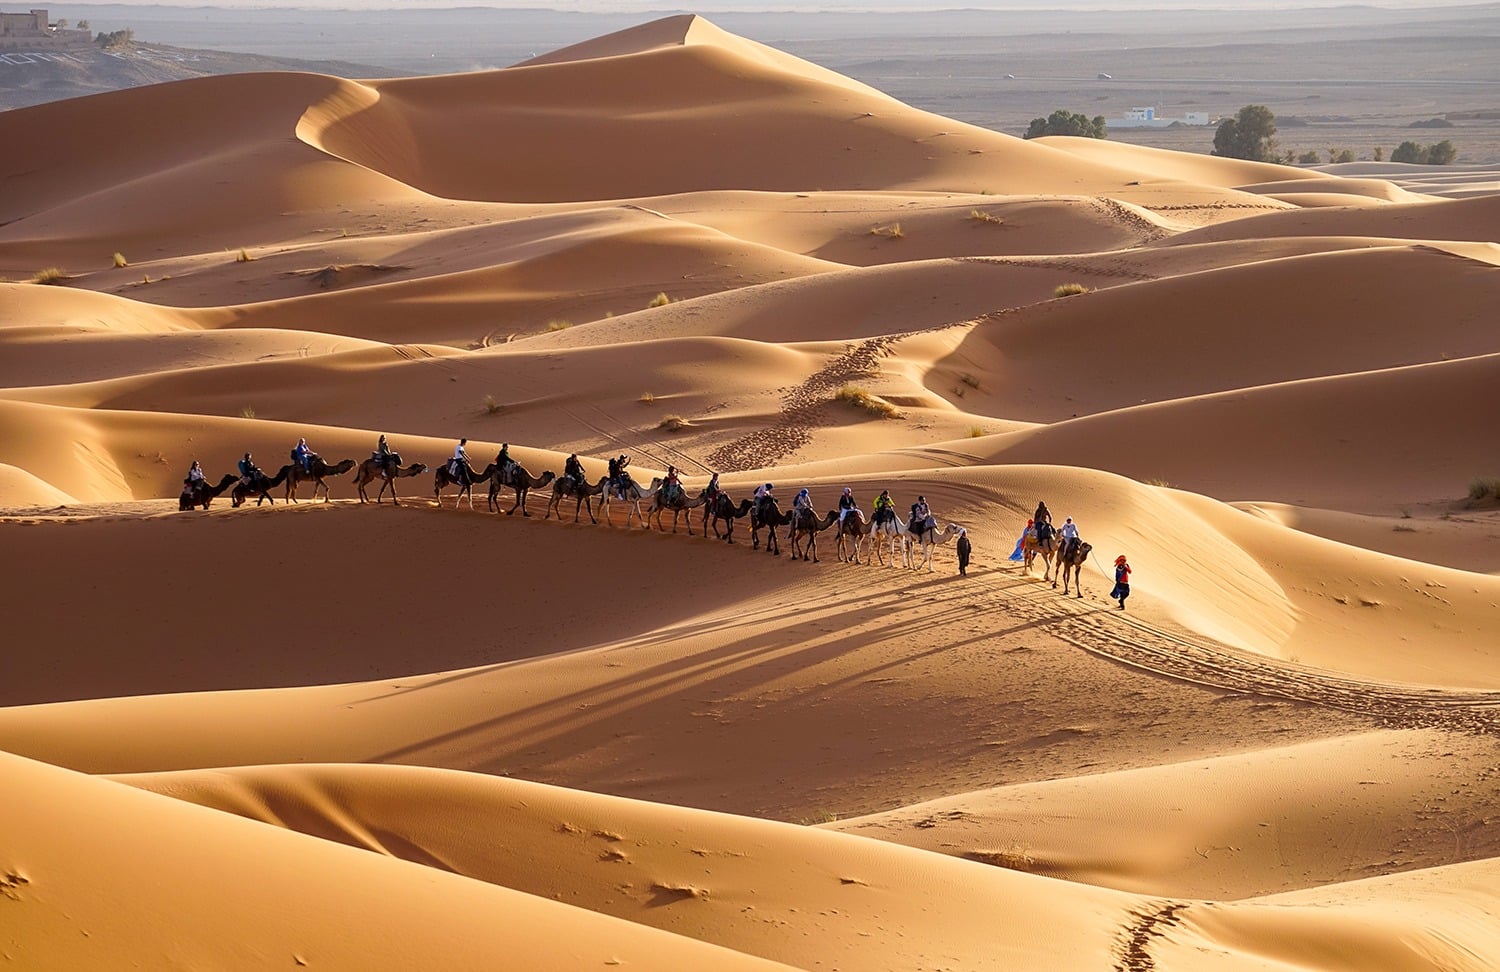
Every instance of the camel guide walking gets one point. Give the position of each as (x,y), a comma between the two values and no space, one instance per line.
(1122,581)
(964,549)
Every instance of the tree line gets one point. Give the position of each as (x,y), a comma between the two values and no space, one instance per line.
(1248,134)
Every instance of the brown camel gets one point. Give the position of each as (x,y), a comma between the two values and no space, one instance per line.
(1031,547)
(517,478)
(1072,557)
(370,470)
(582,491)
(442,479)
(806,531)
(852,532)
(678,503)
(202,494)
(320,471)
(260,487)
(723,508)
(633,496)
(767,514)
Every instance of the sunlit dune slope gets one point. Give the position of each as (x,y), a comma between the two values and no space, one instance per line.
(86,894)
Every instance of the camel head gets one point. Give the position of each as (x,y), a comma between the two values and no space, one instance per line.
(415,469)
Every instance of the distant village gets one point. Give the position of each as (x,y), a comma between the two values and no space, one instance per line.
(33,31)
(1148,118)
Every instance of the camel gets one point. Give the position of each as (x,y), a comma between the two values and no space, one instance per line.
(517,478)
(320,470)
(852,529)
(678,504)
(370,470)
(723,508)
(566,486)
(203,494)
(807,525)
(767,514)
(633,495)
(1072,557)
(1031,546)
(889,531)
(260,487)
(927,542)
(442,479)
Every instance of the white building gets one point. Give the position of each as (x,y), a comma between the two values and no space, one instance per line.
(1148,118)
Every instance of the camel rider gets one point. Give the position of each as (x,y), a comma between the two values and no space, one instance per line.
(711,491)
(458,466)
(573,469)
(248,470)
(1042,514)
(195,477)
(763,493)
(302,455)
(885,507)
(921,517)
(802,501)
(846,505)
(614,473)
(502,464)
(623,476)
(383,456)
(1069,530)
(671,486)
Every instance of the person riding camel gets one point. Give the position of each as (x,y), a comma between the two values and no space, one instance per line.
(921,518)
(802,501)
(502,464)
(573,469)
(763,493)
(1043,519)
(383,457)
(885,507)
(458,466)
(671,486)
(711,491)
(195,477)
(623,477)
(248,469)
(846,505)
(303,456)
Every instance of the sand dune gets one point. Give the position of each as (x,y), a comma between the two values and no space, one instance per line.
(1272,391)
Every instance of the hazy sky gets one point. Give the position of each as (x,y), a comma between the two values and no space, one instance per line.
(721,6)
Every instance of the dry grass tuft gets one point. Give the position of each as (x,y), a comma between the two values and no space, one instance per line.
(491,406)
(891,232)
(647,398)
(120,261)
(976,432)
(970,380)
(660,300)
(247,412)
(1070,289)
(1483,488)
(243,256)
(49,277)
(861,398)
(558,325)
(980,216)
(672,423)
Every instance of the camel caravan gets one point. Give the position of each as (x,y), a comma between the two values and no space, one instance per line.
(882,537)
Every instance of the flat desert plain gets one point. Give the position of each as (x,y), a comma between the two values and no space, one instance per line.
(433,735)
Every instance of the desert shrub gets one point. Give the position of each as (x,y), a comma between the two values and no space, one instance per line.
(49,276)
(243,256)
(491,406)
(672,423)
(1340,155)
(1250,134)
(861,398)
(969,380)
(1379,153)
(647,398)
(1431,123)
(247,412)
(115,39)
(976,431)
(1483,488)
(980,216)
(1443,153)
(558,325)
(1063,122)
(891,232)
(1310,158)
(120,261)
(1070,289)
(660,300)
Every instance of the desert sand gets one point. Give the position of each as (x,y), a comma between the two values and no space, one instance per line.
(349,735)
